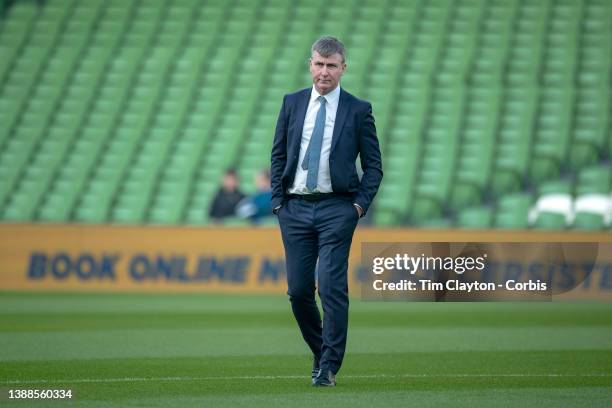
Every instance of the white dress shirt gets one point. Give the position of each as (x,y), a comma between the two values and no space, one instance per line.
(324,178)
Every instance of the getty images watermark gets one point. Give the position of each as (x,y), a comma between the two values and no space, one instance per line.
(459,265)
(467,271)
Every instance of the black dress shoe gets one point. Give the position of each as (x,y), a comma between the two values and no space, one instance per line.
(325,379)
(315,370)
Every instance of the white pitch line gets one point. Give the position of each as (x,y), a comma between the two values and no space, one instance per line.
(290,377)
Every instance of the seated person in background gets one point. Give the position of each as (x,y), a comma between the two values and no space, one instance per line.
(228,196)
(258,205)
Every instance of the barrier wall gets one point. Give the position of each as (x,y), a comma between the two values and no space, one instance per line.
(189,259)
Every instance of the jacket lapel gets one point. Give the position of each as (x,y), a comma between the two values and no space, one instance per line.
(341,113)
(301,115)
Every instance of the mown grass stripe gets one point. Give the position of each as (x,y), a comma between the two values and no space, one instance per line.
(291,377)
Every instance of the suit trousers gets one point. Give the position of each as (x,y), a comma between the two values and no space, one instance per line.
(319,231)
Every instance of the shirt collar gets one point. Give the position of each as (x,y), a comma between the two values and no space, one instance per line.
(331,98)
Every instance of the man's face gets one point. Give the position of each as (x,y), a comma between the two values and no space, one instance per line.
(326,71)
(230,182)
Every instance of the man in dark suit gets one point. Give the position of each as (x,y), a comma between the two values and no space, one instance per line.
(319,199)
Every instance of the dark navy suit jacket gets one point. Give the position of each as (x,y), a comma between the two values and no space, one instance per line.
(354,133)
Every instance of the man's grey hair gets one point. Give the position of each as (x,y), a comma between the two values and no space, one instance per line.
(327,46)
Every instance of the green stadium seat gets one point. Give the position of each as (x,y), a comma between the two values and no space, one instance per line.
(512,211)
(556,187)
(550,221)
(475,218)
(596,179)
(437,223)
(588,222)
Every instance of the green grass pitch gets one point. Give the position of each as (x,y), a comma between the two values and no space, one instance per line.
(125,350)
